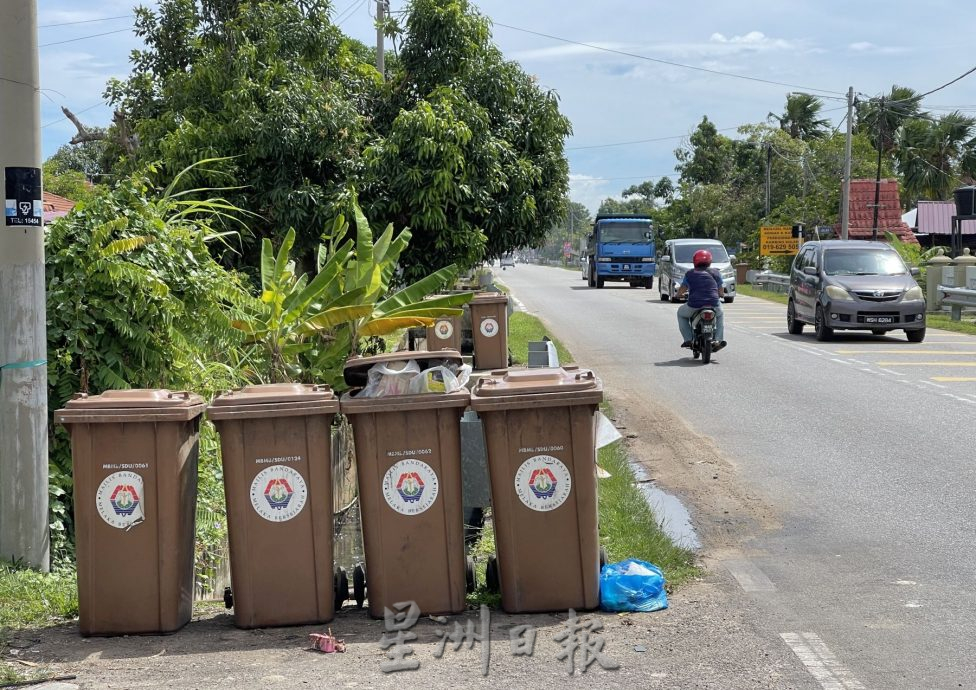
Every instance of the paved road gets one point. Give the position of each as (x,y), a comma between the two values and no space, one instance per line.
(866,444)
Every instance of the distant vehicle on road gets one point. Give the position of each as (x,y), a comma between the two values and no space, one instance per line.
(621,248)
(675,261)
(507,260)
(854,285)
(584,265)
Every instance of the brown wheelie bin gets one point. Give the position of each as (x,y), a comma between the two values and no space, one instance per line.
(276,447)
(408,460)
(134,457)
(540,435)
(489,330)
(445,334)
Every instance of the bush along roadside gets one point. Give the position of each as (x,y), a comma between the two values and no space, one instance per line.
(627,524)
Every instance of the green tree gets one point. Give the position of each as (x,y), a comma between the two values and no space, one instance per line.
(934,155)
(469,149)
(708,158)
(881,118)
(800,117)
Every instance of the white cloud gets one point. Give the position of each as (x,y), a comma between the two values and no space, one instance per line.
(560,52)
(868,47)
(588,190)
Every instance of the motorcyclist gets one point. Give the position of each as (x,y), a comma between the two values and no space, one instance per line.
(704,288)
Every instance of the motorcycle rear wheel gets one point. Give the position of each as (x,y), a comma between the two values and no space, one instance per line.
(706,351)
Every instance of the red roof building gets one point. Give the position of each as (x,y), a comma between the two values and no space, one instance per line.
(55,206)
(861,224)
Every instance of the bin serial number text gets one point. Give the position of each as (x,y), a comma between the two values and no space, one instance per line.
(408,453)
(541,449)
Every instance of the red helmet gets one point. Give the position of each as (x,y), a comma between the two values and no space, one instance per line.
(702,258)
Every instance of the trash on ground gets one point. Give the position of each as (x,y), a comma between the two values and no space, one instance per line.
(606,432)
(326,642)
(632,585)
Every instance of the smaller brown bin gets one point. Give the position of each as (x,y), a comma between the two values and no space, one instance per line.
(445,334)
(134,458)
(489,330)
(276,448)
(408,461)
(540,435)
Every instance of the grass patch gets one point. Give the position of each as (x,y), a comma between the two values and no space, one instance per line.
(523,329)
(28,597)
(480,551)
(945,322)
(752,291)
(628,526)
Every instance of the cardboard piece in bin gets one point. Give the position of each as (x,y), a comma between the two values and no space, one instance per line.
(540,380)
(356,370)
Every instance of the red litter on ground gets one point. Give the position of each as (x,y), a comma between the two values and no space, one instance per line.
(325,642)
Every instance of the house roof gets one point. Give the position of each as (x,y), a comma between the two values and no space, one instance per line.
(55,206)
(935,218)
(861,223)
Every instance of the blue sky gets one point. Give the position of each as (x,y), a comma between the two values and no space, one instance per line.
(612,98)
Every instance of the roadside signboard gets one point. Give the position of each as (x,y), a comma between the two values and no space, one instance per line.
(567,249)
(779,240)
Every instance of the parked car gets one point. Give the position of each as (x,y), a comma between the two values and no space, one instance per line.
(854,285)
(507,260)
(585,266)
(675,261)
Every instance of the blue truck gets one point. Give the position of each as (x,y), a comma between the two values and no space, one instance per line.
(621,248)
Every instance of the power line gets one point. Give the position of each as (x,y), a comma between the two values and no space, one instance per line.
(349,12)
(87,21)
(84,38)
(919,97)
(665,62)
(79,112)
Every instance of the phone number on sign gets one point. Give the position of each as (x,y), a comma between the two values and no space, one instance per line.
(408,453)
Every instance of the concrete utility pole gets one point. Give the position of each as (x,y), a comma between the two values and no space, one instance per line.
(380,16)
(845,209)
(24,533)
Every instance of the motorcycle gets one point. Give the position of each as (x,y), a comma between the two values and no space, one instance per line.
(703,323)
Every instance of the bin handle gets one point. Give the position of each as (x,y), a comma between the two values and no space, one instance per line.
(585,374)
(182,394)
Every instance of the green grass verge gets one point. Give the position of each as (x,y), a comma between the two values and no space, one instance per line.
(523,329)
(28,597)
(967,325)
(751,291)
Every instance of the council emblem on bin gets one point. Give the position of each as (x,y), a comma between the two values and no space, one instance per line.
(410,486)
(444,329)
(489,328)
(543,483)
(120,499)
(278,493)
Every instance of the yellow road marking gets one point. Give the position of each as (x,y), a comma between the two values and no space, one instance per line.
(953,379)
(905,352)
(926,364)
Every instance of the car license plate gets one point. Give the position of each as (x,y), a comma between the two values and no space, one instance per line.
(879,319)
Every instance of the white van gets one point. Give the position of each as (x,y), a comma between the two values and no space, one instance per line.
(676,260)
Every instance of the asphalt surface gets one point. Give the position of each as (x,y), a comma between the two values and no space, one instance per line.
(864,443)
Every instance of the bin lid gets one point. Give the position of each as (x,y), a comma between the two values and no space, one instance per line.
(356,369)
(490,298)
(131,405)
(274,400)
(274,393)
(540,380)
(543,387)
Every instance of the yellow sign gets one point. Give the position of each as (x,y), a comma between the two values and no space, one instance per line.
(778,241)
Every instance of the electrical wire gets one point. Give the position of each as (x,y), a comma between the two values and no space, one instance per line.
(79,112)
(666,62)
(86,21)
(84,38)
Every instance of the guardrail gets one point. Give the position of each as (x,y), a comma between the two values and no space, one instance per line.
(957,299)
(772,282)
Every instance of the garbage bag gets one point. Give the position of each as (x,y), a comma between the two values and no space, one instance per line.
(390,378)
(440,379)
(632,585)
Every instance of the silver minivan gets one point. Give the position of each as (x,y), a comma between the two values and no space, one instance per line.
(854,285)
(675,261)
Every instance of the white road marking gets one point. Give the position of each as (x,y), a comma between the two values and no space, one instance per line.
(893,372)
(839,361)
(936,385)
(749,576)
(820,661)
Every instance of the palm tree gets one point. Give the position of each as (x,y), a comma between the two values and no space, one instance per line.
(880,118)
(800,117)
(934,154)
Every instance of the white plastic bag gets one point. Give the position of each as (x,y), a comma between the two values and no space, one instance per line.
(440,380)
(389,378)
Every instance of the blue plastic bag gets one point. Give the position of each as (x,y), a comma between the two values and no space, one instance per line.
(632,585)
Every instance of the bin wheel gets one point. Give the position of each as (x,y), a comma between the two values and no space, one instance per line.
(359,585)
(341,582)
(491,575)
(469,576)
(228,598)
(603,557)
